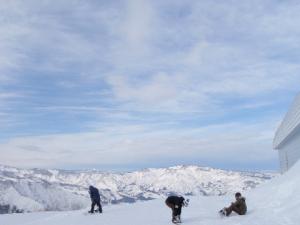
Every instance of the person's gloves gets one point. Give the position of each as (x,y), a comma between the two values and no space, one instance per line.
(186,203)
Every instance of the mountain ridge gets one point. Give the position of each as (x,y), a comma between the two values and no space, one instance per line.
(52,189)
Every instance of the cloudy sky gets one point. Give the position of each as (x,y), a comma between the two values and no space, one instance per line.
(124,85)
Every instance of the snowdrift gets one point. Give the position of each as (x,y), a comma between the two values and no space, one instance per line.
(280,198)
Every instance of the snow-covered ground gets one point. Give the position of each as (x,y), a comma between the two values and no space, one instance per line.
(274,203)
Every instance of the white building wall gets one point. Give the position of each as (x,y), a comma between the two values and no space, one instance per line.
(289,123)
(289,152)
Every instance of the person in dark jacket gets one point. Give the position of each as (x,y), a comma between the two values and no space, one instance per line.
(239,206)
(95,198)
(176,203)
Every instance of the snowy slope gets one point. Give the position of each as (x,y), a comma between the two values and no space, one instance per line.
(276,202)
(66,190)
(39,196)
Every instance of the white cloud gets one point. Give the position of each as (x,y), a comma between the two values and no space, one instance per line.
(138,24)
(160,88)
(131,144)
(163,60)
(232,58)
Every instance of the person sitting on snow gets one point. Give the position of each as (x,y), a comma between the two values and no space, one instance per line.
(95,198)
(176,203)
(239,206)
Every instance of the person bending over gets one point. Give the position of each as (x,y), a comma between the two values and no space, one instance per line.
(176,203)
(95,198)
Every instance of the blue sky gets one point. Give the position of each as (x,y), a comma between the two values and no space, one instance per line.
(124,85)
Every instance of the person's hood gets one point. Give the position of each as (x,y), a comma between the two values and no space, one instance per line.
(242,199)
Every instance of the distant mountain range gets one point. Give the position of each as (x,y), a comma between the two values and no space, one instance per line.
(41,189)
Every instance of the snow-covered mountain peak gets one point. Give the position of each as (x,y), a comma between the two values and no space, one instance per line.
(37,185)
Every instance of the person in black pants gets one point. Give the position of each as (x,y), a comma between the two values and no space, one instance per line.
(95,198)
(176,203)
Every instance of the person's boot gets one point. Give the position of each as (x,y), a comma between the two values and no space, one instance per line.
(174,219)
(222,212)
